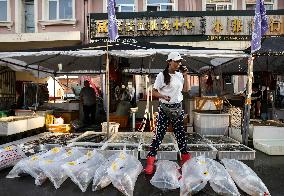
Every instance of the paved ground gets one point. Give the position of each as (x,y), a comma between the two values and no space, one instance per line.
(269,168)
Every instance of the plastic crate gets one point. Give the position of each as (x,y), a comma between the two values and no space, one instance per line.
(247,154)
(126,137)
(161,155)
(222,139)
(147,137)
(211,124)
(78,140)
(208,152)
(107,150)
(59,128)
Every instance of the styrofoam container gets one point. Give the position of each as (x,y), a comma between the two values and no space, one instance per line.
(212,153)
(269,139)
(248,154)
(270,147)
(35,122)
(161,155)
(14,124)
(211,124)
(107,152)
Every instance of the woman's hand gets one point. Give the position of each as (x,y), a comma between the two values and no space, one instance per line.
(183,69)
(167,98)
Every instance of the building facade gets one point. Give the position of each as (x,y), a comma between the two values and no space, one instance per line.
(55,23)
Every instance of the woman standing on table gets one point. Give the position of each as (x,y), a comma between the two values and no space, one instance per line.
(168,87)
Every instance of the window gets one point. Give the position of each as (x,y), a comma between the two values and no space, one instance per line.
(125,6)
(269,4)
(60,9)
(160,5)
(3,10)
(215,5)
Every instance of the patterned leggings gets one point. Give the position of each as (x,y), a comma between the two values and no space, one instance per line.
(161,129)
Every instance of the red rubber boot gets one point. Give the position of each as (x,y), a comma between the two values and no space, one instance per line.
(149,169)
(184,158)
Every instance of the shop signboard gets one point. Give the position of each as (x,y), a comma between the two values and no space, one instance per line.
(213,27)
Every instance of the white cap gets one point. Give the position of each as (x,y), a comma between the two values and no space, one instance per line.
(175,56)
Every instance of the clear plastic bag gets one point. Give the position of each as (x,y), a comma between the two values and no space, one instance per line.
(124,171)
(52,169)
(220,181)
(101,177)
(195,175)
(30,165)
(10,155)
(166,176)
(82,170)
(245,177)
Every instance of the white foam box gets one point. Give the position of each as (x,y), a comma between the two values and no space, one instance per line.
(269,139)
(35,122)
(11,125)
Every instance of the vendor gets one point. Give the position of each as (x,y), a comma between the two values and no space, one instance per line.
(88,99)
(256,100)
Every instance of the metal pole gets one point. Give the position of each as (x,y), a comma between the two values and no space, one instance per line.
(54,89)
(107,89)
(246,119)
(37,88)
(24,95)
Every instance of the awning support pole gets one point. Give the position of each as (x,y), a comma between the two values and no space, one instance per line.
(246,119)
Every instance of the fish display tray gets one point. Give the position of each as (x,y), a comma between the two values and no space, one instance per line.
(109,149)
(147,138)
(90,137)
(202,149)
(44,141)
(165,152)
(195,138)
(220,139)
(234,151)
(87,146)
(126,137)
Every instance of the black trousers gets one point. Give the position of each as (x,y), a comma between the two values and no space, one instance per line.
(161,129)
(89,114)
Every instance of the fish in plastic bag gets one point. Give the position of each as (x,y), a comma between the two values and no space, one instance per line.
(82,170)
(124,172)
(10,155)
(30,165)
(195,175)
(52,169)
(220,181)
(101,177)
(245,177)
(166,176)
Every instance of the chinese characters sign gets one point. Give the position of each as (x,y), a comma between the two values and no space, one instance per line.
(211,26)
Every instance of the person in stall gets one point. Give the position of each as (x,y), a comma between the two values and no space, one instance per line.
(168,87)
(88,99)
